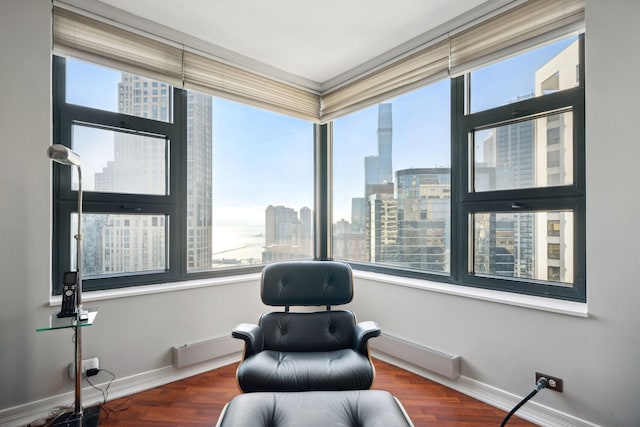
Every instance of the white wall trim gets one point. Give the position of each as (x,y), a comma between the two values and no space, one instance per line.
(28,413)
(527,301)
(531,411)
(132,291)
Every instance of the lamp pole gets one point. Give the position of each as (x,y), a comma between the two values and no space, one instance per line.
(63,155)
(78,349)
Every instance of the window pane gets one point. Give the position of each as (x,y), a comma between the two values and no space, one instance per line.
(117,162)
(250,185)
(528,245)
(392,182)
(527,154)
(119,244)
(94,86)
(541,71)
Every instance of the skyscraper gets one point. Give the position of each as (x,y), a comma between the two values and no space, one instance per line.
(515,168)
(424,218)
(378,169)
(287,236)
(199,180)
(553,245)
(380,217)
(385,144)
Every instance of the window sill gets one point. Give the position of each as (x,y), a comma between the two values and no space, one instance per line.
(537,303)
(569,308)
(159,288)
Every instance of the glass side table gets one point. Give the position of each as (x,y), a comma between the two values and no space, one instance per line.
(76,418)
(56,322)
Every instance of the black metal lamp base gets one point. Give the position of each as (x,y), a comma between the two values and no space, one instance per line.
(90,418)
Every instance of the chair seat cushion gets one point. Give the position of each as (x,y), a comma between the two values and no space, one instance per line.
(301,371)
(363,408)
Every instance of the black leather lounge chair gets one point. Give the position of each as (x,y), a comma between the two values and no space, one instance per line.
(303,351)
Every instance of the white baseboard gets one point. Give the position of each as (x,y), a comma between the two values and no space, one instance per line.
(538,414)
(28,413)
(532,411)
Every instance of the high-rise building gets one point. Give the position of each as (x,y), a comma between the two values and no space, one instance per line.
(348,244)
(382,228)
(385,143)
(512,240)
(378,169)
(424,218)
(199,180)
(306,231)
(554,149)
(287,236)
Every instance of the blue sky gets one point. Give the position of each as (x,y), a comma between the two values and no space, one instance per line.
(263,158)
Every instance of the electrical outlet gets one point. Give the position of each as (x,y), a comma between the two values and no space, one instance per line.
(92,363)
(554,383)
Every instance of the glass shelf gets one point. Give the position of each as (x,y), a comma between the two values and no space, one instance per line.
(56,322)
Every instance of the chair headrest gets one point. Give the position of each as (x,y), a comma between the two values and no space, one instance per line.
(306,283)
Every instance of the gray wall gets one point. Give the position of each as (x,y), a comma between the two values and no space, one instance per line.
(501,345)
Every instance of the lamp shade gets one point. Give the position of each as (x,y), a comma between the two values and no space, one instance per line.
(64,155)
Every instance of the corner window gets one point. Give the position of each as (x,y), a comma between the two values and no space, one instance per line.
(476,181)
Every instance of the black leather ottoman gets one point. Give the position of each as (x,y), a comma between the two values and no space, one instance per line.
(361,408)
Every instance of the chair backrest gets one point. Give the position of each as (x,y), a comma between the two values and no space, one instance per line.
(306,283)
(317,331)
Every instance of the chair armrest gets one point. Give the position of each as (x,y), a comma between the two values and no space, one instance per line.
(364,331)
(251,335)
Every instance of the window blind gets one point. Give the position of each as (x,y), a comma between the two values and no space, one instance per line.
(476,44)
(454,53)
(410,72)
(209,76)
(92,40)
(107,44)
(530,24)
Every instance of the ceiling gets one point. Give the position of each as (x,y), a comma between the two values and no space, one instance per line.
(314,42)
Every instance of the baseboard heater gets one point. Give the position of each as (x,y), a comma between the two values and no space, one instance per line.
(190,354)
(441,363)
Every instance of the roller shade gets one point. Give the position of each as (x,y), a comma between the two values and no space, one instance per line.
(522,27)
(453,53)
(477,44)
(209,76)
(412,71)
(105,44)
(113,46)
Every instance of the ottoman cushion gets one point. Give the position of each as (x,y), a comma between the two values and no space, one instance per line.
(362,408)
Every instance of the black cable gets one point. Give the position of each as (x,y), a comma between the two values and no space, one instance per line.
(105,392)
(123,406)
(542,383)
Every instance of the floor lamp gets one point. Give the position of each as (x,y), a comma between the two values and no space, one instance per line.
(63,155)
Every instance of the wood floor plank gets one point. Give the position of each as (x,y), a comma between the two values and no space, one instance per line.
(198,401)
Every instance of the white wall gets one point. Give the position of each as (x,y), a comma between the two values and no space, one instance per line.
(501,345)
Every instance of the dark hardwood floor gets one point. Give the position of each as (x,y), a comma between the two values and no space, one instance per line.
(197,402)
